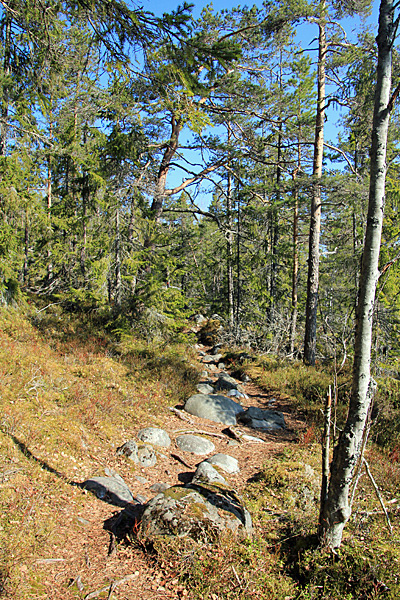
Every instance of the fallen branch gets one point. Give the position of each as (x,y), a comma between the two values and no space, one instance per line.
(180,414)
(49,561)
(219,435)
(379,496)
(181,460)
(110,588)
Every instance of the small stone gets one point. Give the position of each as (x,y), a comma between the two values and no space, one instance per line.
(211,359)
(251,438)
(142,455)
(159,487)
(205,388)
(141,479)
(195,444)
(155,436)
(205,473)
(110,490)
(227,463)
(221,365)
(226,382)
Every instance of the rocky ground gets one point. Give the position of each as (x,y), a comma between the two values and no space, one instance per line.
(95,563)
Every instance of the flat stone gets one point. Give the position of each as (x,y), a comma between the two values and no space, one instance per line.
(205,388)
(211,358)
(205,473)
(251,438)
(214,407)
(110,490)
(154,436)
(159,487)
(195,444)
(221,365)
(225,462)
(259,418)
(141,479)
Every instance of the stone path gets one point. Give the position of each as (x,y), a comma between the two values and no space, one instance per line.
(91,550)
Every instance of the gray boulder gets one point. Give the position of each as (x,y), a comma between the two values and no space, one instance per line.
(195,444)
(110,489)
(259,418)
(224,462)
(214,407)
(205,473)
(197,511)
(155,436)
(141,454)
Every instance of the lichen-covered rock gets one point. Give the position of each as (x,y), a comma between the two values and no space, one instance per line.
(155,436)
(196,511)
(214,407)
(141,454)
(195,444)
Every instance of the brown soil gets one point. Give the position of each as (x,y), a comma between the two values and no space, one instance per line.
(93,564)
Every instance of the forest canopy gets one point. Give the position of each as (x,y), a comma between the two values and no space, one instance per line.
(172,165)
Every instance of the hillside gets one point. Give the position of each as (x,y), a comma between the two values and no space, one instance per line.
(73,390)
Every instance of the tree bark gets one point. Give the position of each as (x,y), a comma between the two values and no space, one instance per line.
(348,452)
(171,148)
(5,91)
(310,336)
(229,244)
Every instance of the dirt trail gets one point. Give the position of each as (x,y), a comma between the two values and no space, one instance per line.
(91,565)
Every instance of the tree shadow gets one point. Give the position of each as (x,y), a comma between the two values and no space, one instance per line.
(44,465)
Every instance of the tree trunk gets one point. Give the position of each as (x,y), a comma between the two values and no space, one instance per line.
(348,452)
(310,336)
(229,244)
(170,149)
(295,269)
(5,91)
(117,296)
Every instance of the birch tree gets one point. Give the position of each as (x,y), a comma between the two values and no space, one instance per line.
(336,507)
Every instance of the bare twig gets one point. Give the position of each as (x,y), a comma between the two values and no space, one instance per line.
(219,435)
(180,414)
(111,588)
(237,577)
(379,495)
(181,460)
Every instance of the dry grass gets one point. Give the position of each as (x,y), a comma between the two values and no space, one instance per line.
(71,393)
(69,398)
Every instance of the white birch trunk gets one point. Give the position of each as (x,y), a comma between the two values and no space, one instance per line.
(349,448)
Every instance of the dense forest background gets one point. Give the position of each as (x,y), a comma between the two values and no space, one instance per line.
(102,101)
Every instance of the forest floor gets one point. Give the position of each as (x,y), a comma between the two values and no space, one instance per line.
(69,400)
(86,553)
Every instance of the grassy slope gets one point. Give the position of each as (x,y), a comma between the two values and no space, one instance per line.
(69,392)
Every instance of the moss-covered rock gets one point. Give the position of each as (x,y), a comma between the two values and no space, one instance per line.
(197,511)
